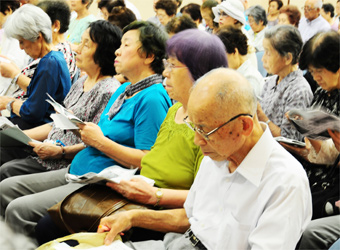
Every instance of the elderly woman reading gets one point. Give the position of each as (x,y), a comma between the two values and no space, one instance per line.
(32,27)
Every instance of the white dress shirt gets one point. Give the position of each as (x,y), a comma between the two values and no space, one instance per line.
(310,28)
(264,204)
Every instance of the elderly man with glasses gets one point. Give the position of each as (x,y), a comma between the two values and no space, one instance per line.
(249,192)
(313,22)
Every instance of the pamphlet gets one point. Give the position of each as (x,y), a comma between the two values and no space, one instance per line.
(114,174)
(64,119)
(314,123)
(293,142)
(11,135)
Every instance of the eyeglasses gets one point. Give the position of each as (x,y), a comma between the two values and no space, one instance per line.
(222,14)
(206,135)
(307,8)
(168,65)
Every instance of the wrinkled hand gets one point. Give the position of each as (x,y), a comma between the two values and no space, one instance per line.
(4,100)
(91,134)
(115,224)
(335,137)
(46,150)
(136,190)
(9,70)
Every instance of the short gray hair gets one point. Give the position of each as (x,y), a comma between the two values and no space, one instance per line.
(285,39)
(258,13)
(27,22)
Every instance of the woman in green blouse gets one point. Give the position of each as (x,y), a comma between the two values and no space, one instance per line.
(174,159)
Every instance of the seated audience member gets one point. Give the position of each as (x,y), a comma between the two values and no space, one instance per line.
(257,20)
(9,47)
(178,24)
(165,10)
(327,12)
(313,22)
(273,198)
(126,130)
(80,22)
(59,13)
(193,10)
(174,158)
(208,15)
(290,14)
(322,233)
(273,12)
(121,16)
(231,12)
(106,7)
(32,27)
(326,72)
(236,46)
(154,19)
(287,89)
(86,99)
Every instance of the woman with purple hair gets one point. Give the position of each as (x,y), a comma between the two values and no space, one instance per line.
(174,159)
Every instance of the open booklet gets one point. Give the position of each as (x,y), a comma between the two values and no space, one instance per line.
(292,142)
(64,119)
(114,174)
(314,123)
(11,135)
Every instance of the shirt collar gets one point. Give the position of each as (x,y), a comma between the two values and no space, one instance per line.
(314,20)
(253,165)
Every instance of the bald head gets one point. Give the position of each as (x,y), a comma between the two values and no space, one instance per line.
(223,93)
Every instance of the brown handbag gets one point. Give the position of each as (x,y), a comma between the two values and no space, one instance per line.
(82,210)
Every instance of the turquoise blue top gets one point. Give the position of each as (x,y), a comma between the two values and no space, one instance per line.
(136,125)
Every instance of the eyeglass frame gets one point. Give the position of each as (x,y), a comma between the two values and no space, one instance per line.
(170,66)
(206,135)
(308,9)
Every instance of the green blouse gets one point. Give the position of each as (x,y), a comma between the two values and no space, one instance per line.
(174,159)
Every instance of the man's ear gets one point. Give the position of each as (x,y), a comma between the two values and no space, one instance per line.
(9,11)
(248,125)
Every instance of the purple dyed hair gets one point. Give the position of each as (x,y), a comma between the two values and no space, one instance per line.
(198,50)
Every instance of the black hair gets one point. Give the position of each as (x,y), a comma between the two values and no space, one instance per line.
(327,7)
(279,3)
(153,41)
(194,10)
(121,16)
(57,10)
(108,38)
(322,51)
(169,6)
(178,24)
(88,2)
(233,38)
(9,5)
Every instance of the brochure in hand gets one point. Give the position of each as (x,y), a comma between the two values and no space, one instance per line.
(314,123)
(11,135)
(64,119)
(110,174)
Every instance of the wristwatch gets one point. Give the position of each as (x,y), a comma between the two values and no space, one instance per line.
(159,195)
(8,106)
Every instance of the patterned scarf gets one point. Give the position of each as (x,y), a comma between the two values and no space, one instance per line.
(130,90)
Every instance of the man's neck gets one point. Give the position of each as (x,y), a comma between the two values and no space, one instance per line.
(236,159)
